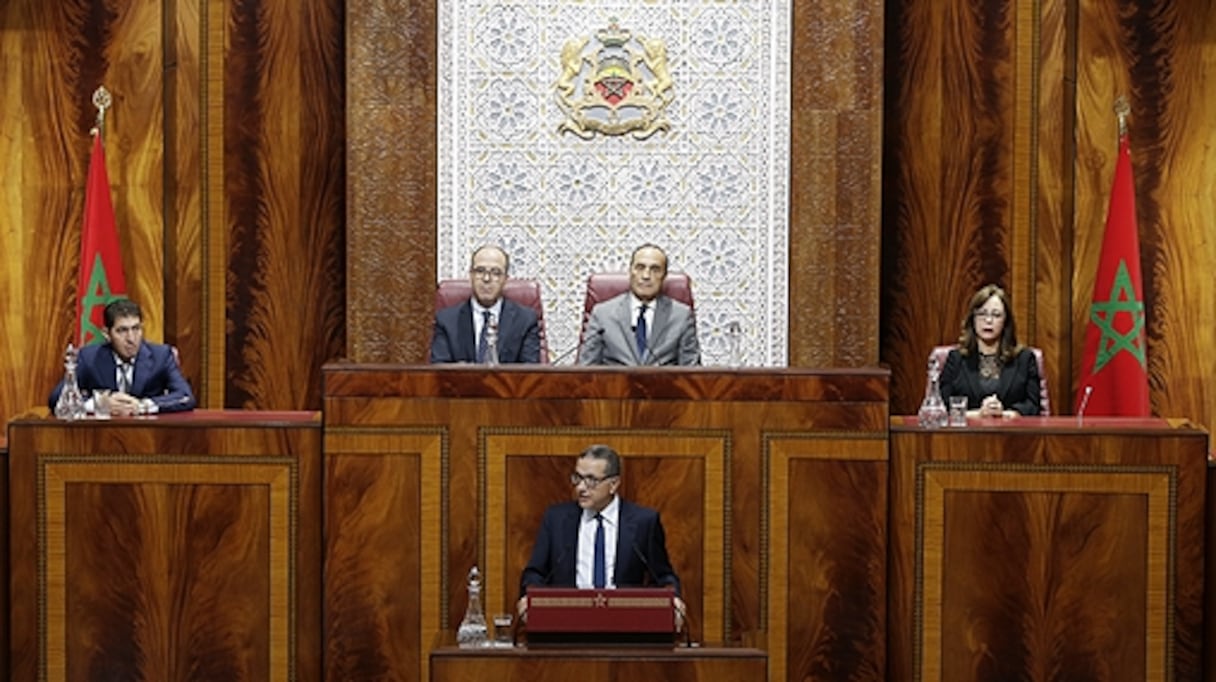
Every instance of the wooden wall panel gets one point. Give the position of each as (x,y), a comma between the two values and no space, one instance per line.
(1155,54)
(1024,547)
(1000,145)
(191,44)
(54,57)
(283,185)
(825,520)
(378,506)
(127,573)
(173,547)
(950,168)
(225,155)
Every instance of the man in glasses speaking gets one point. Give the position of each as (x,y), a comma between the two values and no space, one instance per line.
(464,331)
(599,540)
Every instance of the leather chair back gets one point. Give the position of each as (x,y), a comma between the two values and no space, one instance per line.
(940,353)
(602,286)
(525,292)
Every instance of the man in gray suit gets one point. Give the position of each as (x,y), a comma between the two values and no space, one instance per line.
(642,326)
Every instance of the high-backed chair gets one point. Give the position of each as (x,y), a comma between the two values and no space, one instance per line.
(525,292)
(940,353)
(602,286)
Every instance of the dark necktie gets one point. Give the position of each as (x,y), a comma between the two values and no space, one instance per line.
(124,377)
(640,332)
(481,341)
(599,565)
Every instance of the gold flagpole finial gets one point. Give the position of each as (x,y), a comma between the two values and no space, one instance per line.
(1122,109)
(101,100)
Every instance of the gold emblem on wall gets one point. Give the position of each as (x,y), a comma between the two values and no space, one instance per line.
(614,84)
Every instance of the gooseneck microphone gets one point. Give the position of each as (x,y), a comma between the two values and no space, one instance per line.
(1089,390)
(674,604)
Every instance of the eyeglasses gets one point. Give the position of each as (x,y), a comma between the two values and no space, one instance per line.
(590,481)
(990,314)
(492,273)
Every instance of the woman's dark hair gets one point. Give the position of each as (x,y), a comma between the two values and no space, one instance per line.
(1009,346)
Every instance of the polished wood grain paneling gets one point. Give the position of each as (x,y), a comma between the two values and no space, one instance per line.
(225,151)
(1000,148)
(825,585)
(694,443)
(166,548)
(384,515)
(835,182)
(1154,54)
(284,186)
(955,102)
(391,142)
(1039,546)
(54,55)
(449,664)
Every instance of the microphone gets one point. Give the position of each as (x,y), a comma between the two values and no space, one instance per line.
(563,355)
(1089,390)
(674,604)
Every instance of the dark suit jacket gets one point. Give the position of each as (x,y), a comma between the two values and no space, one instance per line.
(156,376)
(610,339)
(639,537)
(1017,387)
(518,334)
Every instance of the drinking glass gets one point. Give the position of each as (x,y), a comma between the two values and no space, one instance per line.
(101,403)
(958,410)
(502,629)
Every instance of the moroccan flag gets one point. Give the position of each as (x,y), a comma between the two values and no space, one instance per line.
(101,279)
(1114,370)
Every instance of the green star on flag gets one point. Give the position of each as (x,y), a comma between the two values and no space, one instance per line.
(1122,300)
(1114,362)
(101,278)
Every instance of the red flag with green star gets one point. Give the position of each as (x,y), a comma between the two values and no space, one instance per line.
(1114,368)
(101,279)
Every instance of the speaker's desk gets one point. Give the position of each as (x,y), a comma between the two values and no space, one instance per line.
(521,664)
(431,470)
(178,546)
(1034,544)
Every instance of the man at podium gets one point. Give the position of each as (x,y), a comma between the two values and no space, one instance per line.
(599,540)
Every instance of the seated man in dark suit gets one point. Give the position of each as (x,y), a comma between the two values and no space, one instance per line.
(599,539)
(141,377)
(460,333)
(642,326)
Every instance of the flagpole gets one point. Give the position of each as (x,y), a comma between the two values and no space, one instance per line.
(101,100)
(1122,110)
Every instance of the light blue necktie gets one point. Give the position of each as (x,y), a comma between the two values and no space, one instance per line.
(599,566)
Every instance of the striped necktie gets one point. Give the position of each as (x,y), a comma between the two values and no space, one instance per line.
(124,377)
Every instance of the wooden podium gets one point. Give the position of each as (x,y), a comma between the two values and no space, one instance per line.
(1033,544)
(181,546)
(431,470)
(627,616)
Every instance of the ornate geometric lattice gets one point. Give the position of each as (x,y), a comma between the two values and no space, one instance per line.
(712,190)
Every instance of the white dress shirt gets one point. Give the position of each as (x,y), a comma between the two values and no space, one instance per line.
(586,545)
